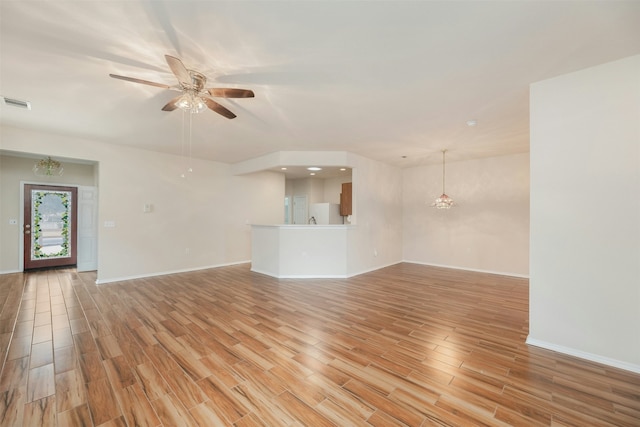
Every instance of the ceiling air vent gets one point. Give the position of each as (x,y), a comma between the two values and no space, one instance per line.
(17,103)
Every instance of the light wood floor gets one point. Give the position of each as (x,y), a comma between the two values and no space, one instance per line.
(405,345)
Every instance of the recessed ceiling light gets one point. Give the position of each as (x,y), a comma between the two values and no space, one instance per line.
(343,169)
(314,168)
(312,173)
(471,123)
(283,169)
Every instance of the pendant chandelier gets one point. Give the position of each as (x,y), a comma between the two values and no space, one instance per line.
(48,167)
(444,201)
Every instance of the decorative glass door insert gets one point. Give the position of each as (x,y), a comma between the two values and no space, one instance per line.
(50,226)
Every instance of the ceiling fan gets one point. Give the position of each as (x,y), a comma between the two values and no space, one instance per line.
(194,97)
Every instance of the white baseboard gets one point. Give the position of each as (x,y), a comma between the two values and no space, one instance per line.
(324,276)
(266,273)
(374,269)
(164,273)
(308,276)
(301,276)
(584,355)
(499,273)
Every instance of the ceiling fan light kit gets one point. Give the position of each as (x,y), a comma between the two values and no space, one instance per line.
(191,103)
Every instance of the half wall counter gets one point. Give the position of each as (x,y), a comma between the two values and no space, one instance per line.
(300,251)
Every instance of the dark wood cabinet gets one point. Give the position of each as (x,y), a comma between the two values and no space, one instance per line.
(345,199)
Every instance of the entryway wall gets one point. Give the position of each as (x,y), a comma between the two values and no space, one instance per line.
(17,168)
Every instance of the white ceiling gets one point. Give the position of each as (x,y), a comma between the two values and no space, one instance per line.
(393,81)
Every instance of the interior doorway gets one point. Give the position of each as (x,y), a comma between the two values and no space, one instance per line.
(300,210)
(50,226)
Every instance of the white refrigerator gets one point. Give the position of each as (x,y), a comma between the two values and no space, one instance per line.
(325,213)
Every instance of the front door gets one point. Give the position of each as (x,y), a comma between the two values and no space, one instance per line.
(50,226)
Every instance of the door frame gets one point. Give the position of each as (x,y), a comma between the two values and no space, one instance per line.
(87,228)
(81,243)
(73,238)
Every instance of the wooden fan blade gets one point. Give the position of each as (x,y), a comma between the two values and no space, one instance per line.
(171,105)
(231,93)
(179,70)
(213,105)
(144,82)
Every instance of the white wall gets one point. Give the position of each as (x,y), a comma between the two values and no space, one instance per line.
(333,188)
(196,222)
(488,227)
(318,190)
(376,240)
(585,214)
(313,188)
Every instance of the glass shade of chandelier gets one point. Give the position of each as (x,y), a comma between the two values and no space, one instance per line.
(444,201)
(48,167)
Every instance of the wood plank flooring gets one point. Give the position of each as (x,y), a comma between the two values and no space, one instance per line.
(407,345)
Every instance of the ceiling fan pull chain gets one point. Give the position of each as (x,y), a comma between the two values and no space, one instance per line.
(190,169)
